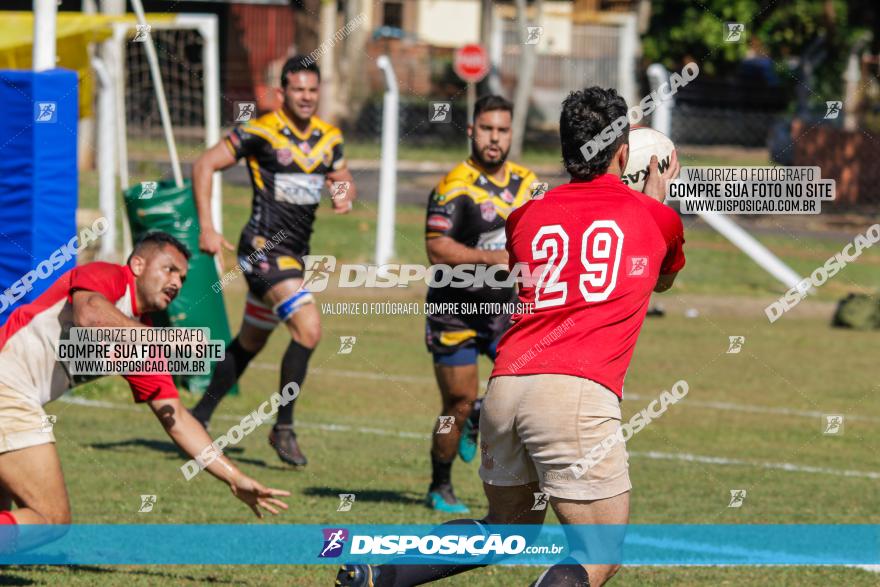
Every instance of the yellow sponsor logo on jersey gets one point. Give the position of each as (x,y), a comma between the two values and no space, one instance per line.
(285,263)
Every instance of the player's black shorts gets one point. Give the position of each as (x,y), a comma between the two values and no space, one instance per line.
(457,340)
(264,268)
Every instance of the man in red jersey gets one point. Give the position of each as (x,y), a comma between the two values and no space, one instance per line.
(92,295)
(598,249)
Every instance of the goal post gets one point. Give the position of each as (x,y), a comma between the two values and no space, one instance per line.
(661,121)
(189,64)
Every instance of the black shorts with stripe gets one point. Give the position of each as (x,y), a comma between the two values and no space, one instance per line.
(447,333)
(263,268)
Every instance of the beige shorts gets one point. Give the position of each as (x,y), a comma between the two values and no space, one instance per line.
(23,423)
(547,428)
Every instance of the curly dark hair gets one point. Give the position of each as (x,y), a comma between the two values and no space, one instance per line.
(158,238)
(585,114)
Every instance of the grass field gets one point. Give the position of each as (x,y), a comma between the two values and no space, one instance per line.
(751,421)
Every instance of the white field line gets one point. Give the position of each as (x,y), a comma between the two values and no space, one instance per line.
(650,455)
(711,405)
(653,455)
(668,456)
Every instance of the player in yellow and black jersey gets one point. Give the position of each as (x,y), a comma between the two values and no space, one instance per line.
(465,225)
(291,155)
(288,171)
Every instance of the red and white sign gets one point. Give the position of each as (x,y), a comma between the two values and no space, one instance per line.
(471,63)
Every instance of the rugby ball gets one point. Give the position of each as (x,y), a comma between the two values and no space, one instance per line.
(643,143)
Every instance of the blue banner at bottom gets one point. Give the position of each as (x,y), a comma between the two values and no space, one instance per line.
(659,544)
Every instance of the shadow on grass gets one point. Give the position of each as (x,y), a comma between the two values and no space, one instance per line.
(13,580)
(154,445)
(361,495)
(265,465)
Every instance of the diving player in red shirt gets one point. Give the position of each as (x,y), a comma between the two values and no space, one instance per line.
(92,295)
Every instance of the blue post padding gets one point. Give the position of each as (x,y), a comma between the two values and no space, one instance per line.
(38,176)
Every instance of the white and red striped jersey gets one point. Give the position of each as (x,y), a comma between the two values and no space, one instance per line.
(29,339)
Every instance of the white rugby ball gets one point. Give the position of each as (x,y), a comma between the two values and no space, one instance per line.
(643,143)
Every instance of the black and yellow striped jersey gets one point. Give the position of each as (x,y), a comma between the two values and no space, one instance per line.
(471,206)
(287,169)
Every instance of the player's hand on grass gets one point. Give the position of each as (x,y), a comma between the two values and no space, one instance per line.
(256,496)
(657,183)
(212,242)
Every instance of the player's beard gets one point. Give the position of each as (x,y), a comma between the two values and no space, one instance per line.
(489,164)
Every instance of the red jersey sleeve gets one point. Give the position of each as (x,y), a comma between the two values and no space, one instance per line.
(107,279)
(150,387)
(111,281)
(673,234)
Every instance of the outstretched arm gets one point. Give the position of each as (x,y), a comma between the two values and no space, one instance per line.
(191,437)
(93,309)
